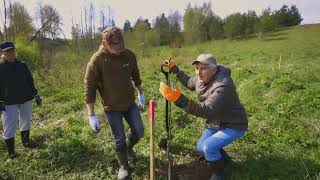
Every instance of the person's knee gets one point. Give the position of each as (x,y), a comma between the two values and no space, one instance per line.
(9,131)
(199,147)
(211,152)
(137,135)
(120,143)
(140,133)
(25,126)
(8,135)
(138,130)
(121,146)
(210,148)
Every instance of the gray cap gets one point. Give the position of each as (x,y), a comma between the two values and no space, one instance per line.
(205,59)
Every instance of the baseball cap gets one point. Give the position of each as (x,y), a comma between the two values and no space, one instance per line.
(6,46)
(205,59)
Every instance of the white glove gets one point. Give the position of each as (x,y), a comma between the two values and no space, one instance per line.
(94,123)
(142,101)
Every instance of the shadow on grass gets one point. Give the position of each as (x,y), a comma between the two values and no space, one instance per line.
(141,168)
(192,171)
(274,38)
(277,33)
(72,156)
(269,167)
(40,141)
(276,167)
(255,169)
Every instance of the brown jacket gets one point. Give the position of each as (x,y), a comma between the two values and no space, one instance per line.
(218,103)
(112,76)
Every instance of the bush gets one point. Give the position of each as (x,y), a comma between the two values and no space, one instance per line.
(266,23)
(152,38)
(235,26)
(28,52)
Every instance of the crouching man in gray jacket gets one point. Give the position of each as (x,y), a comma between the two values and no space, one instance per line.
(218,103)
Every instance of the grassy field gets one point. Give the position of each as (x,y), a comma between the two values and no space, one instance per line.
(278,81)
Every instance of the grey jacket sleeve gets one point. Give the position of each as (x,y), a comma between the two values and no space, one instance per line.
(187,81)
(214,103)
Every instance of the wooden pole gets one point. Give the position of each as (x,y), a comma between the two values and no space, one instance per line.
(151,120)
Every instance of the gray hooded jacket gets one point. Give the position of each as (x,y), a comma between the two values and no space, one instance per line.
(218,103)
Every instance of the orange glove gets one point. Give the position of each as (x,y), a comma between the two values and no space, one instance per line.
(169,93)
(171,64)
(175,95)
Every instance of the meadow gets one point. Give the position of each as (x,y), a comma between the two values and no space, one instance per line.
(277,79)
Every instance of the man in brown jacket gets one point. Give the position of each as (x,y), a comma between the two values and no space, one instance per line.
(113,71)
(218,103)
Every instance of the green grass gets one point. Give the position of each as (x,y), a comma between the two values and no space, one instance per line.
(278,82)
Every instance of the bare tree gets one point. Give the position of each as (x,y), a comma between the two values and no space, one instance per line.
(103,20)
(50,16)
(76,32)
(20,21)
(92,20)
(10,30)
(81,24)
(89,20)
(5,20)
(85,20)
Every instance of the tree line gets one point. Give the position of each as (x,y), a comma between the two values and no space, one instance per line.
(201,24)
(197,24)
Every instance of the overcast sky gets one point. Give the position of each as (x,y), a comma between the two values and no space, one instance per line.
(133,9)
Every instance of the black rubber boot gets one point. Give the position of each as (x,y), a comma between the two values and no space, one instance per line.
(218,169)
(26,141)
(225,155)
(131,154)
(10,147)
(131,141)
(124,172)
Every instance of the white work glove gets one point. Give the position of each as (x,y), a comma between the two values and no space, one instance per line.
(94,123)
(142,101)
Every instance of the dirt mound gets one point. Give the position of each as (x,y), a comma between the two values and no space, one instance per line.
(193,171)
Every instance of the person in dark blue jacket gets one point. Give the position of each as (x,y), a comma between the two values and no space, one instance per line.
(17,90)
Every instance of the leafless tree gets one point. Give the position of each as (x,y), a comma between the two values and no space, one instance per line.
(52,20)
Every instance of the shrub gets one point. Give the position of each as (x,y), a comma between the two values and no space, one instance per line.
(28,51)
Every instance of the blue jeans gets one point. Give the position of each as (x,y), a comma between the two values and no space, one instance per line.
(136,130)
(213,140)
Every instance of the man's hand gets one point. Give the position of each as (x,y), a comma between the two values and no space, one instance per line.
(169,93)
(94,123)
(171,64)
(142,101)
(2,106)
(175,95)
(38,100)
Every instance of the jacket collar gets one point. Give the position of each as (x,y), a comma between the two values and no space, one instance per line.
(106,52)
(103,50)
(220,78)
